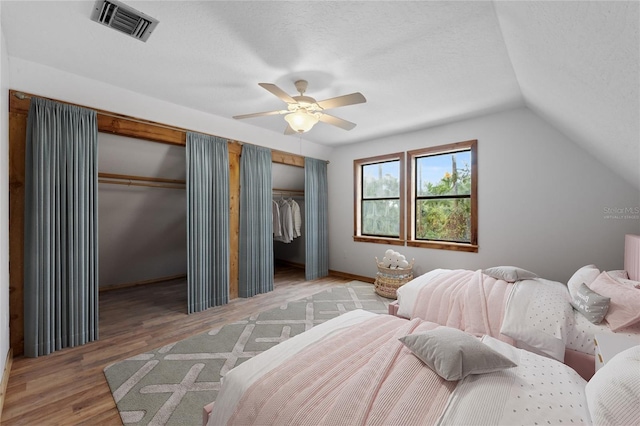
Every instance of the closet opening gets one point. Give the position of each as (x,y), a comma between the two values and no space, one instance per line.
(142,231)
(289,223)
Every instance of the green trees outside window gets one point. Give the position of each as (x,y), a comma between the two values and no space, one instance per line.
(443,197)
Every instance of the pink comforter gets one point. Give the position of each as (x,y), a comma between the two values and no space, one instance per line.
(364,375)
(466,300)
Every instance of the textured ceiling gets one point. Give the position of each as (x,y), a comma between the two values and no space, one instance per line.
(419,63)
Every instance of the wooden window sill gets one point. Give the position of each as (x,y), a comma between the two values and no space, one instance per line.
(442,245)
(378,240)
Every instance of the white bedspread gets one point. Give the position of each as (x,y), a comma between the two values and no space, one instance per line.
(240,378)
(538,391)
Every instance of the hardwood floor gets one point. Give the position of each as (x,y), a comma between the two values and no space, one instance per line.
(68,387)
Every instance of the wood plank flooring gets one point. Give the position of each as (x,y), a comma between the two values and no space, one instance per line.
(68,387)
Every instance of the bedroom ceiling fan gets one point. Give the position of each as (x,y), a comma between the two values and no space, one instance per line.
(303,112)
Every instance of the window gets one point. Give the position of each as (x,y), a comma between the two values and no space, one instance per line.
(443,197)
(379,199)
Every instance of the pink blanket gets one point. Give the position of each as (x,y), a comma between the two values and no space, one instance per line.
(363,375)
(466,300)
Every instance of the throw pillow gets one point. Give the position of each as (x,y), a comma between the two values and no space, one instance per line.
(454,354)
(509,274)
(590,304)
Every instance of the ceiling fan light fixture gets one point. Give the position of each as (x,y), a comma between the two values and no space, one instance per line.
(301,121)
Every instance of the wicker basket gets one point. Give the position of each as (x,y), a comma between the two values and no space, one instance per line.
(388,280)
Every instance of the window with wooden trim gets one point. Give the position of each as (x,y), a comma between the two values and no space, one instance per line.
(443,197)
(379,199)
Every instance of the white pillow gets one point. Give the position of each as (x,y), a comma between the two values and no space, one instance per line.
(613,393)
(586,274)
(454,354)
(509,274)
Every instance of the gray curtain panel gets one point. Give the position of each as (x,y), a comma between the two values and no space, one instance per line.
(256,224)
(316,219)
(207,221)
(61,232)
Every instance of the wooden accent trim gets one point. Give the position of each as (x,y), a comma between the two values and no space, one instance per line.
(234,220)
(17,138)
(5,379)
(287,158)
(351,276)
(109,122)
(144,282)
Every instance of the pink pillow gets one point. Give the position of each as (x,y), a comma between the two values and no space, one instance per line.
(624,307)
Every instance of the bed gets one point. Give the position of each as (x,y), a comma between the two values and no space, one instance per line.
(354,370)
(552,327)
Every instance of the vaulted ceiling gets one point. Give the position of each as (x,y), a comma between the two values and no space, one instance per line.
(419,63)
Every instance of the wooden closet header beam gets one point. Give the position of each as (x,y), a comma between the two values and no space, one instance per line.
(139,128)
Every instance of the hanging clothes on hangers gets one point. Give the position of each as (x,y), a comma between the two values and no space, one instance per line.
(286,222)
(275,212)
(297,218)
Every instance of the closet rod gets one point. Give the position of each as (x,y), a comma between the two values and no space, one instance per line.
(140,178)
(132,183)
(288,191)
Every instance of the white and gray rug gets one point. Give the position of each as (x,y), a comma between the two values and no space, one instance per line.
(171,385)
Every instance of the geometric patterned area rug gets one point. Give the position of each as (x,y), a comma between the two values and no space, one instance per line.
(171,385)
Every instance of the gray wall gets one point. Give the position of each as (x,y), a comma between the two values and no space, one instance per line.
(541,200)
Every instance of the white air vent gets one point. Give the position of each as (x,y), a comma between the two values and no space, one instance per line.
(123,18)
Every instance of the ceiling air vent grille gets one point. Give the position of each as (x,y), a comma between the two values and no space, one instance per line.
(124,19)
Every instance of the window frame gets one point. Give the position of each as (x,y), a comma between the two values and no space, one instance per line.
(470,145)
(357,200)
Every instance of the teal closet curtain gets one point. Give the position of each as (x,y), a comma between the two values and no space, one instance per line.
(207,221)
(316,219)
(256,224)
(61,232)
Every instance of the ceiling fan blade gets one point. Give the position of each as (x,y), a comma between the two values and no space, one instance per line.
(338,122)
(289,131)
(260,114)
(352,99)
(278,92)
